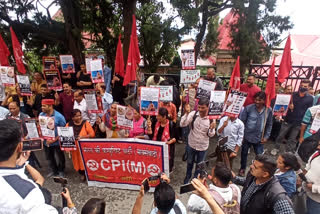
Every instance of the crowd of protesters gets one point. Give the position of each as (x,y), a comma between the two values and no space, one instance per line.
(268,186)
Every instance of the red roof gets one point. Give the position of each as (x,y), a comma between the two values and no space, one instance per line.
(224,30)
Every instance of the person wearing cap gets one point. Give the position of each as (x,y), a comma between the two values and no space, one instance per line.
(51,147)
(106,73)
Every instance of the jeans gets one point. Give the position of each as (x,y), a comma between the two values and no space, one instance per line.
(292,140)
(194,156)
(258,149)
(55,165)
(313,207)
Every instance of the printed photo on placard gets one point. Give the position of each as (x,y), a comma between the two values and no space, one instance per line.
(204,89)
(67,64)
(96,71)
(281,104)
(166,92)
(32,129)
(90,96)
(24,85)
(149,101)
(88,64)
(188,59)
(189,76)
(47,127)
(7,76)
(234,103)
(124,117)
(217,99)
(66,138)
(32,145)
(49,63)
(53,79)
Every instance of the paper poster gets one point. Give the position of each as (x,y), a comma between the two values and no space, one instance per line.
(124,117)
(96,71)
(32,145)
(90,96)
(281,104)
(217,99)
(88,64)
(204,89)
(189,76)
(47,127)
(149,101)
(315,123)
(67,64)
(192,97)
(67,139)
(188,59)
(2,91)
(7,76)
(49,63)
(166,92)
(32,129)
(234,103)
(53,79)
(24,85)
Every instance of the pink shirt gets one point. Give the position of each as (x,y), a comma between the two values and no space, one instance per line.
(251,92)
(138,128)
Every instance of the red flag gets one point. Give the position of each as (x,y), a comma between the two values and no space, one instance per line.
(270,87)
(235,77)
(131,65)
(119,65)
(286,62)
(17,52)
(135,40)
(4,53)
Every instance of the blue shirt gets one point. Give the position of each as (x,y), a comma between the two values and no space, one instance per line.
(107,77)
(288,181)
(58,121)
(254,121)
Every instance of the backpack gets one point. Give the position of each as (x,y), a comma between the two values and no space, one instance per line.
(228,207)
(309,146)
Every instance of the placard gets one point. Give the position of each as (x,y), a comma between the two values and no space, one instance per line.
(2,91)
(67,64)
(189,76)
(166,92)
(149,101)
(315,123)
(281,104)
(32,145)
(123,163)
(204,89)
(7,76)
(24,85)
(96,71)
(124,117)
(47,127)
(49,63)
(53,79)
(217,99)
(234,103)
(32,129)
(88,64)
(67,139)
(92,101)
(188,59)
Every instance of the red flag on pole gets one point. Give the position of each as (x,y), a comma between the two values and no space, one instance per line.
(135,40)
(17,52)
(286,62)
(270,87)
(131,65)
(235,77)
(4,53)
(119,65)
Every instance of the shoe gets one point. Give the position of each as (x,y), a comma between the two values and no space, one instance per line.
(241,172)
(52,174)
(61,174)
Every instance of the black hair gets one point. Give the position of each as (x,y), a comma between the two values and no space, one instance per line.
(306,81)
(67,82)
(223,174)
(251,75)
(261,95)
(203,101)
(74,112)
(15,99)
(9,139)
(163,112)
(156,78)
(80,92)
(290,160)
(164,82)
(94,206)
(164,197)
(44,86)
(137,108)
(269,164)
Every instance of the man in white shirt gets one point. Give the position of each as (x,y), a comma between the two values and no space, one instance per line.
(220,190)
(81,104)
(3,113)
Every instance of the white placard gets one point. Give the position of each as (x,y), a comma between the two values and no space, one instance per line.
(124,117)
(315,123)
(32,129)
(91,100)
(234,103)
(204,89)
(67,138)
(67,64)
(7,76)
(166,92)
(189,76)
(96,71)
(281,104)
(216,104)
(24,85)
(88,64)
(149,101)
(188,59)
(47,127)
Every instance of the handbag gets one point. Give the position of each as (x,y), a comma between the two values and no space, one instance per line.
(299,201)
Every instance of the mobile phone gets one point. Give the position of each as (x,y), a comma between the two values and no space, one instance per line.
(60,180)
(186,188)
(145,184)
(32,145)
